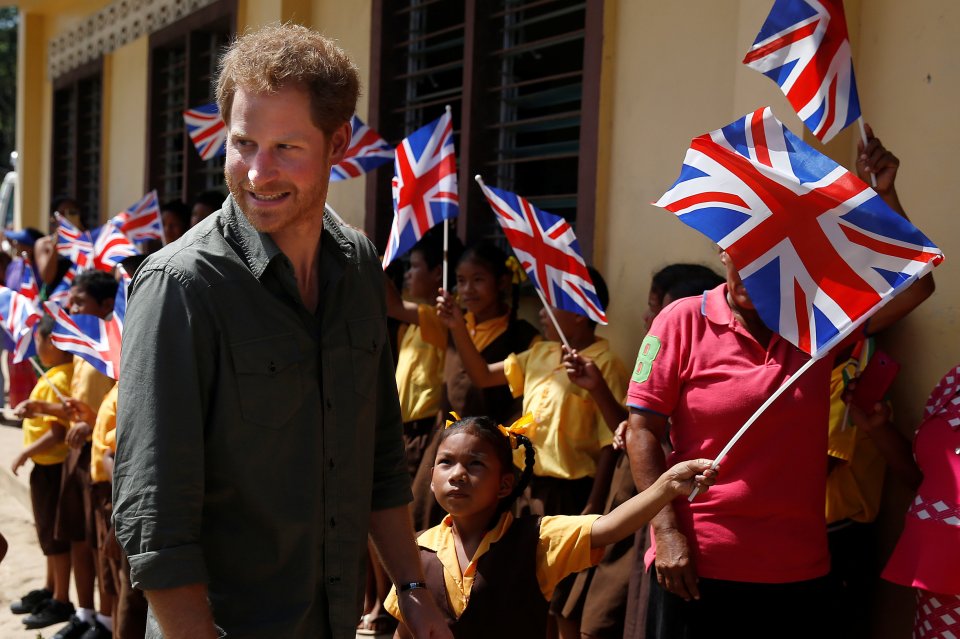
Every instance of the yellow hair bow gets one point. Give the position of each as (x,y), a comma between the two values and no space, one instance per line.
(518,427)
(451,422)
(519,275)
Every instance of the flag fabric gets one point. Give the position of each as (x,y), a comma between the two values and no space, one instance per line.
(549,252)
(61,292)
(28,282)
(110,247)
(120,301)
(94,339)
(366,152)
(73,243)
(816,247)
(424,186)
(18,316)
(142,221)
(207,130)
(803,46)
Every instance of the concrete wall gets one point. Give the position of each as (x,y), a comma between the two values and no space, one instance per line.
(124,125)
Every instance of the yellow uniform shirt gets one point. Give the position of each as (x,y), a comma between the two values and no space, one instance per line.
(36,427)
(855,485)
(420,365)
(104,435)
(564,548)
(569,430)
(89,385)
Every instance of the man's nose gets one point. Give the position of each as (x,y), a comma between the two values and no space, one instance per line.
(263,167)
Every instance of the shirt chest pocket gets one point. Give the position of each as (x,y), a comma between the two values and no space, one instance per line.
(366,341)
(269,379)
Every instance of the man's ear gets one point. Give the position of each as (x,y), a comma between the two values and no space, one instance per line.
(339,141)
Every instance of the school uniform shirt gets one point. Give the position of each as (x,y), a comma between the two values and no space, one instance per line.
(420,365)
(89,385)
(568,431)
(36,427)
(105,425)
(760,523)
(255,436)
(563,549)
(854,486)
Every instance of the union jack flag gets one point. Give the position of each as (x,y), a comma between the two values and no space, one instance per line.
(74,243)
(61,292)
(94,339)
(18,316)
(207,130)
(803,47)
(424,187)
(142,221)
(548,251)
(110,247)
(28,282)
(817,249)
(120,301)
(366,152)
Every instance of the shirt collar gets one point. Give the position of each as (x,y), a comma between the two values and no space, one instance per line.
(715,308)
(439,536)
(258,249)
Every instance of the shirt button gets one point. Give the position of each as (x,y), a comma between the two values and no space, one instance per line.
(329,405)
(272,367)
(333,522)
(332,463)
(334,580)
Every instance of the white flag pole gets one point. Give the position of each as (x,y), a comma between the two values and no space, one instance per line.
(446,228)
(825,351)
(553,318)
(43,374)
(863,138)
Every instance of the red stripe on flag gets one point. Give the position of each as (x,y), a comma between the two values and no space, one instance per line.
(759,138)
(803,320)
(782,41)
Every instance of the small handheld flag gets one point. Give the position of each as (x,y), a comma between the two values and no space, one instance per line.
(803,46)
(549,252)
(817,249)
(367,151)
(95,340)
(142,221)
(424,187)
(17,317)
(207,130)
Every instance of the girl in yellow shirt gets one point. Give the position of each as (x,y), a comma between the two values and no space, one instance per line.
(492,574)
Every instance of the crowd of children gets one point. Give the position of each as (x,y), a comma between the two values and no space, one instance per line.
(69,433)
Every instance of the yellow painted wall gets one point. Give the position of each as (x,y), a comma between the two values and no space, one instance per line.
(124,125)
(349,24)
(32,198)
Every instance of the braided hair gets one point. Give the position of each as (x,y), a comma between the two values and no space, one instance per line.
(487,429)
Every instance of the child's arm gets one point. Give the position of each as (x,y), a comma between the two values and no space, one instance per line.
(82,419)
(46,441)
(891,443)
(629,516)
(583,372)
(33,407)
(482,375)
(398,308)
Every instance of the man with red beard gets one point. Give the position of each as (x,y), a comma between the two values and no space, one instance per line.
(258,425)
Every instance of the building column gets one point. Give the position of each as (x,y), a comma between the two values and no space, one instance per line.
(32,200)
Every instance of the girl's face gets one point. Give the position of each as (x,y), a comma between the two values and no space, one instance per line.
(420,281)
(478,289)
(468,479)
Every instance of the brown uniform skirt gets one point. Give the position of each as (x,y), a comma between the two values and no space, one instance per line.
(45,495)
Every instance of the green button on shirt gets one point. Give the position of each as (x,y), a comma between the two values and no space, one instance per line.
(255,437)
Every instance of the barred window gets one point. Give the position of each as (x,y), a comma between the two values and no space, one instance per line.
(77,125)
(183,64)
(522,77)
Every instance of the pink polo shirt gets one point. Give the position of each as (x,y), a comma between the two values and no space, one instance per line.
(763,520)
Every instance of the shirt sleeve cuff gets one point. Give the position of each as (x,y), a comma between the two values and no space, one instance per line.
(391,491)
(168,568)
(514,374)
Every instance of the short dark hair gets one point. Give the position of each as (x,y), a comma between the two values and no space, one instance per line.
(212,199)
(671,275)
(180,209)
(97,284)
(600,285)
(132,263)
(46,325)
(431,247)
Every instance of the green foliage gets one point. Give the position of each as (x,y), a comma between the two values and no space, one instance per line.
(8,83)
